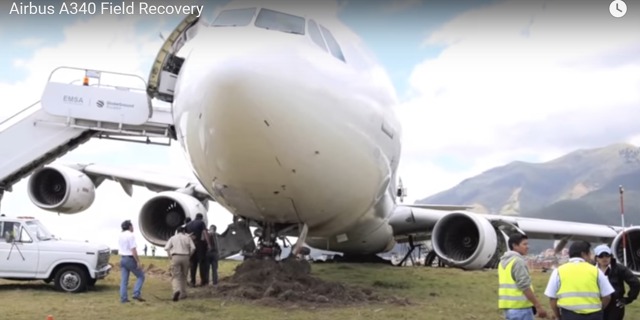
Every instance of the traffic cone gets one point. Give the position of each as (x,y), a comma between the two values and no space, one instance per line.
(49,317)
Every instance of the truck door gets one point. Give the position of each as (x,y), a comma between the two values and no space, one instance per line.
(18,251)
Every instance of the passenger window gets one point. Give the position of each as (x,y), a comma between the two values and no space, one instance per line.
(234,18)
(274,20)
(333,44)
(315,34)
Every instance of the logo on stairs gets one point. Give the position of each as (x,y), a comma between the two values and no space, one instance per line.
(100,103)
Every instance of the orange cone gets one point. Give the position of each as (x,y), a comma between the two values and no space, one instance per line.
(49,317)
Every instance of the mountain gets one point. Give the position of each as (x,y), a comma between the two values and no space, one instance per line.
(580,186)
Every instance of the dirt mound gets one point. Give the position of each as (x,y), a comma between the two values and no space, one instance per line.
(289,282)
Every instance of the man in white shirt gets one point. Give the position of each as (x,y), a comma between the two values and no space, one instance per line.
(129,262)
(578,289)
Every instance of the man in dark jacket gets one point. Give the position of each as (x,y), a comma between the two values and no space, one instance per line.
(618,274)
(198,230)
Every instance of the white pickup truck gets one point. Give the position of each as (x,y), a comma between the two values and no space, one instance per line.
(28,251)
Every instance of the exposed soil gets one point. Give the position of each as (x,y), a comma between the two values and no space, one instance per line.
(289,283)
(285,283)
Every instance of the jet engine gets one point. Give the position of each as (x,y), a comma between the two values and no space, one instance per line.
(633,248)
(61,189)
(466,240)
(161,215)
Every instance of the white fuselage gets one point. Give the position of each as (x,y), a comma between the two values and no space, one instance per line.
(279,130)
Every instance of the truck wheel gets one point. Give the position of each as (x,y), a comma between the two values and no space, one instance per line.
(71,279)
(91,282)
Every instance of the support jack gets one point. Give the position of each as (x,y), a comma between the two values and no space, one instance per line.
(409,254)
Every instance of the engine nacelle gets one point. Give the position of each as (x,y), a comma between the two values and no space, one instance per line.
(465,240)
(633,249)
(61,189)
(161,215)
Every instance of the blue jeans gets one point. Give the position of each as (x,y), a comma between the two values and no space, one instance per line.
(518,314)
(128,264)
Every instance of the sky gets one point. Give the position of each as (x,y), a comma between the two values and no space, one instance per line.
(479,83)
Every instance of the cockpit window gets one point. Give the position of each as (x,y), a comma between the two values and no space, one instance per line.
(234,18)
(315,34)
(334,47)
(274,20)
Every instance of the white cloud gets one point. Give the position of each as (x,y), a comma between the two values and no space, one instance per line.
(30,42)
(520,81)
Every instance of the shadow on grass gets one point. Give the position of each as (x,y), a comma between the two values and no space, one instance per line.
(40,286)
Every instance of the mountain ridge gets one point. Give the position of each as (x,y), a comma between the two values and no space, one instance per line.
(582,186)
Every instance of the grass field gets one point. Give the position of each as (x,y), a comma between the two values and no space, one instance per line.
(435,293)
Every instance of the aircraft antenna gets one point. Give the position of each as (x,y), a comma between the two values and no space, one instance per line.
(624,234)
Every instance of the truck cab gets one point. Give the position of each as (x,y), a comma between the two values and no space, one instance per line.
(28,251)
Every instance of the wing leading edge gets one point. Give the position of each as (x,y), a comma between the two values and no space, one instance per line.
(153,181)
(410,219)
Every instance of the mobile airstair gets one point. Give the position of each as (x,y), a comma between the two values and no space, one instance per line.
(71,112)
(80,104)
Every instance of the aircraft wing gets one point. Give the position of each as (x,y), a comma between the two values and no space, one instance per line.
(153,181)
(409,219)
(471,240)
(558,229)
(447,207)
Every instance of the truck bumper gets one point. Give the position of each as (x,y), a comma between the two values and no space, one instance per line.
(102,272)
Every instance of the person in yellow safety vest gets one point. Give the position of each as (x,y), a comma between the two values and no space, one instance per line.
(515,292)
(578,289)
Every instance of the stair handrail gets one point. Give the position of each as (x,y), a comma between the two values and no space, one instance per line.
(27,108)
(18,113)
(144,83)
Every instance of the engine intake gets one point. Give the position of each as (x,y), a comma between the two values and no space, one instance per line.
(161,215)
(61,189)
(465,240)
(633,249)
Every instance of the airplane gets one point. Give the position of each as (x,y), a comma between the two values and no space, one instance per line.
(289,123)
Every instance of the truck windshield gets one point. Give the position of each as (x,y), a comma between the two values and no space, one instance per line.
(36,228)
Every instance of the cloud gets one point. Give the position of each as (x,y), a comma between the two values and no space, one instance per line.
(30,42)
(520,81)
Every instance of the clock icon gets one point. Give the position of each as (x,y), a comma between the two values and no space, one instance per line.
(618,8)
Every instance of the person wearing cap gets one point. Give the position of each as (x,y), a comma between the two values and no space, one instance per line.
(129,263)
(515,293)
(578,290)
(618,274)
(179,247)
